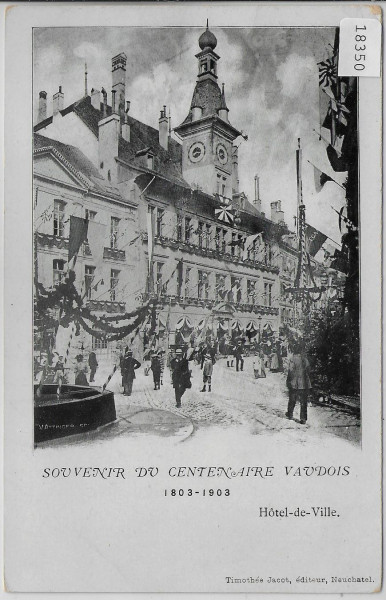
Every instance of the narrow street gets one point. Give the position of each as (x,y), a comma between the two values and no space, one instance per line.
(237,400)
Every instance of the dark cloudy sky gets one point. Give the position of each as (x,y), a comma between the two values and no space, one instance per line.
(271,87)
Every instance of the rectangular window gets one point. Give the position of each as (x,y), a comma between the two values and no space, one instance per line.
(267,254)
(114,281)
(59,207)
(90,214)
(267,294)
(203,285)
(99,344)
(240,244)
(58,271)
(114,232)
(236,289)
(159,224)
(208,234)
(160,288)
(89,274)
(218,184)
(150,161)
(187,281)
(200,232)
(179,228)
(220,287)
(188,229)
(233,245)
(251,291)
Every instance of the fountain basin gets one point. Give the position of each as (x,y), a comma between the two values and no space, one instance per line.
(78,409)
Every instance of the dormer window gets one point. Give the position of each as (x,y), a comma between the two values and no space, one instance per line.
(150,161)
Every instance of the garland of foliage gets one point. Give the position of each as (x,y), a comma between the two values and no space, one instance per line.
(67,298)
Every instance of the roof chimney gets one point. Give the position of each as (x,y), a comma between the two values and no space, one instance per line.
(257,200)
(58,101)
(118,65)
(42,111)
(277,215)
(104,107)
(163,129)
(96,99)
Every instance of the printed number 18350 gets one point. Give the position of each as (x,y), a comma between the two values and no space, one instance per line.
(360,46)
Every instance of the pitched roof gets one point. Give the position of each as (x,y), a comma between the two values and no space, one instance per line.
(166,162)
(79,163)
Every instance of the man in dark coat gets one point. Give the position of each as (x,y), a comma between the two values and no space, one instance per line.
(128,367)
(298,383)
(180,375)
(93,364)
(238,354)
(156,368)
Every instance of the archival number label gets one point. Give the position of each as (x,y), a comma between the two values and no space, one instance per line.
(359,48)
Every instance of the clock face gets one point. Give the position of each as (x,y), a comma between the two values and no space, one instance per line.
(222,154)
(196,152)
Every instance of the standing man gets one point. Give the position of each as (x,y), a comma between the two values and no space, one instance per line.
(298,383)
(93,364)
(238,353)
(128,367)
(180,375)
(207,372)
(156,368)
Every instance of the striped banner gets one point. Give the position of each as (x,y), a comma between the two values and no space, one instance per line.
(109,378)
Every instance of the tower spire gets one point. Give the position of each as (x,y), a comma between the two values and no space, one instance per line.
(85,79)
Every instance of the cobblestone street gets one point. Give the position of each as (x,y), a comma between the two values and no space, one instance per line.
(237,400)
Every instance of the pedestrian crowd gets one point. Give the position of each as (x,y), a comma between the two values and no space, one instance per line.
(273,357)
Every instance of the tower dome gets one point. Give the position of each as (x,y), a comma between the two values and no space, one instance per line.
(207,40)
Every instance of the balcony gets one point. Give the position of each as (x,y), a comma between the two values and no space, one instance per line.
(214,253)
(114,254)
(106,306)
(45,240)
(209,303)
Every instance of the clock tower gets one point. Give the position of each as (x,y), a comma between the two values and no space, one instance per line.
(207,135)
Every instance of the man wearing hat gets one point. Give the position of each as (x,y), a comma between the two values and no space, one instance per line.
(128,367)
(156,368)
(180,375)
(207,371)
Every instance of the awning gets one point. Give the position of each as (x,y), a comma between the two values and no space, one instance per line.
(183,323)
(251,327)
(201,324)
(267,327)
(236,325)
(223,326)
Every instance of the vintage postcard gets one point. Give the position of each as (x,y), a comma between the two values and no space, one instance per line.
(193,298)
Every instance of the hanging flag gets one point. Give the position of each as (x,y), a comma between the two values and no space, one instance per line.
(328,74)
(252,241)
(225,213)
(150,237)
(95,237)
(314,240)
(78,235)
(320,179)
